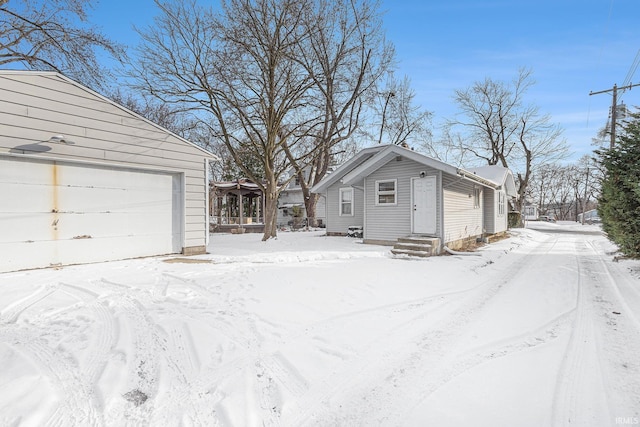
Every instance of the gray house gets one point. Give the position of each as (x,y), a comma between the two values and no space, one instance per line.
(497,199)
(395,193)
(83,179)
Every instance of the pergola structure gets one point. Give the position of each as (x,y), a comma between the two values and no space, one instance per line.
(236,205)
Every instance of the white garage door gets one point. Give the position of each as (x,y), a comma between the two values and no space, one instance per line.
(65,213)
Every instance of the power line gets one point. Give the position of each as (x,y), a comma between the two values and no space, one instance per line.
(632,70)
(614,106)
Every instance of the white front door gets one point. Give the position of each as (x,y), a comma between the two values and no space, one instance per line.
(424,205)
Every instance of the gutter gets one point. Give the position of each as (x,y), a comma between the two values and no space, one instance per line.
(474,177)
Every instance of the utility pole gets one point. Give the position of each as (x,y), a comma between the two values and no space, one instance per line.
(614,109)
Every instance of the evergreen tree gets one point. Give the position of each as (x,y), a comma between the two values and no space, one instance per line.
(619,203)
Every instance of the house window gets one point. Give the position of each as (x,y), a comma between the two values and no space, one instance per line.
(346,202)
(476,198)
(386,192)
(501,200)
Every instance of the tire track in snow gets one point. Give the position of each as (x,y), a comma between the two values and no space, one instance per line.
(83,379)
(201,392)
(143,365)
(218,304)
(272,370)
(12,312)
(182,401)
(275,374)
(625,293)
(418,362)
(188,400)
(104,334)
(580,376)
(377,356)
(267,374)
(77,406)
(608,384)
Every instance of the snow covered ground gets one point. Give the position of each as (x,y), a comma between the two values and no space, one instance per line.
(539,329)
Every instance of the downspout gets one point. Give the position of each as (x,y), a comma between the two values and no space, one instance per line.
(364,209)
(441,193)
(207,203)
(452,252)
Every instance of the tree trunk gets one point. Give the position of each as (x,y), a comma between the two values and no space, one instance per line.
(270,212)
(310,203)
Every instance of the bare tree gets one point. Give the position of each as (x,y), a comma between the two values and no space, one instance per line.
(562,194)
(539,142)
(561,200)
(500,128)
(345,55)
(55,35)
(542,185)
(272,79)
(234,71)
(586,178)
(565,190)
(401,120)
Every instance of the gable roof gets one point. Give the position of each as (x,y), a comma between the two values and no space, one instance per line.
(388,153)
(345,168)
(67,80)
(370,159)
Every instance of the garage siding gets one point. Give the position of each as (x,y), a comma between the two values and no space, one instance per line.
(36,106)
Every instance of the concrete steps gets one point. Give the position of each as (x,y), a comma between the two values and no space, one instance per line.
(417,246)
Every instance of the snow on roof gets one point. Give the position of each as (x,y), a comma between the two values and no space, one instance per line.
(242,183)
(498,174)
(493,173)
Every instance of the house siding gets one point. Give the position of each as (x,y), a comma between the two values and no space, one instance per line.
(40,105)
(337,224)
(385,224)
(490,210)
(461,219)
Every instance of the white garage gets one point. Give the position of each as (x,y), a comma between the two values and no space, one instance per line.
(83,179)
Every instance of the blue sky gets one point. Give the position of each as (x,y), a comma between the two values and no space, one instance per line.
(573,47)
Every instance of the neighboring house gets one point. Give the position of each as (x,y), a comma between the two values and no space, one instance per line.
(291,201)
(497,199)
(530,212)
(83,179)
(589,217)
(393,192)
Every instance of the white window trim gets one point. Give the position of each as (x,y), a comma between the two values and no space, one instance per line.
(383,193)
(340,202)
(501,203)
